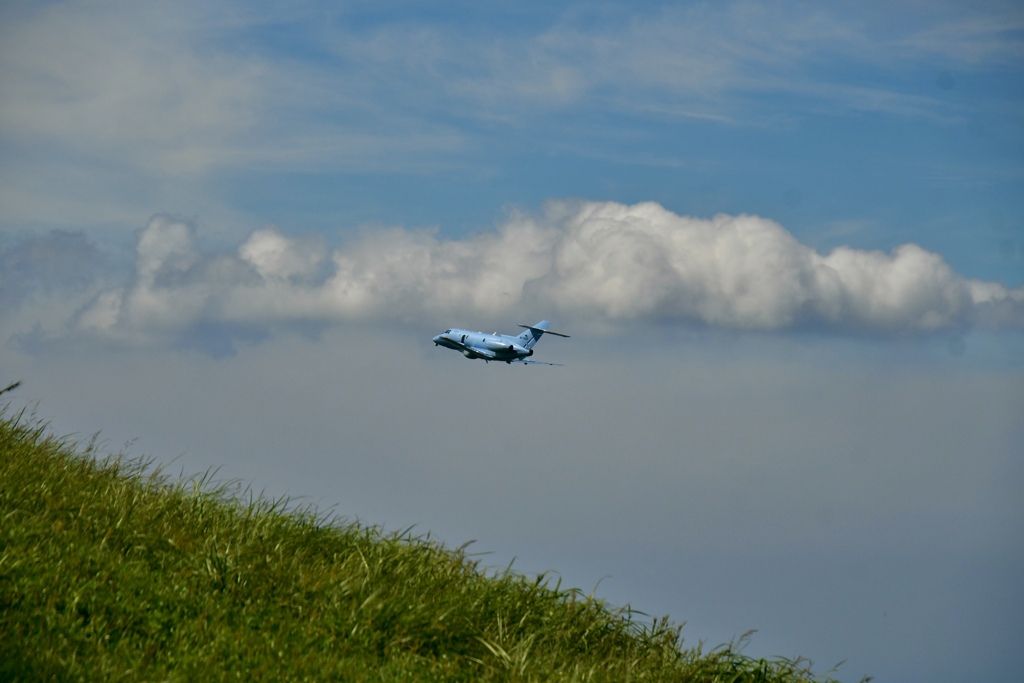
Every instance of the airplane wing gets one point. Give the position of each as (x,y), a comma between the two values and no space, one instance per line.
(481,353)
(534,362)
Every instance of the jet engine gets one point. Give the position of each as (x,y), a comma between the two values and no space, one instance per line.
(518,350)
(498,345)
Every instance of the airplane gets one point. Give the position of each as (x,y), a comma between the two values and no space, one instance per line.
(499,347)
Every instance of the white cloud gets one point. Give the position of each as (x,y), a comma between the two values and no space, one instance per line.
(680,62)
(124,82)
(127,106)
(584,260)
(991,37)
(180,89)
(275,256)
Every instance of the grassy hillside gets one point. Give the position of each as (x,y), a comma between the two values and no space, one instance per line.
(111,572)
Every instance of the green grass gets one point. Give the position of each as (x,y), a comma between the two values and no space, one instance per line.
(110,571)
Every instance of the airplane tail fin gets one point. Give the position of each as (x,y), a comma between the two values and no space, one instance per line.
(535,332)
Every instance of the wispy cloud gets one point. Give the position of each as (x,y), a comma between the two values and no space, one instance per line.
(582,260)
(991,37)
(177,89)
(112,110)
(126,83)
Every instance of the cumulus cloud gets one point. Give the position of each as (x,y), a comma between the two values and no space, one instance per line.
(600,260)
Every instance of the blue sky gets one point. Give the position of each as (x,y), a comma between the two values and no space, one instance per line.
(787,238)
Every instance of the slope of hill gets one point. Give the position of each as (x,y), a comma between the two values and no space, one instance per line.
(109,571)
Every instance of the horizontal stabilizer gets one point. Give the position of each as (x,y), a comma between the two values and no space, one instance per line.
(542,330)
